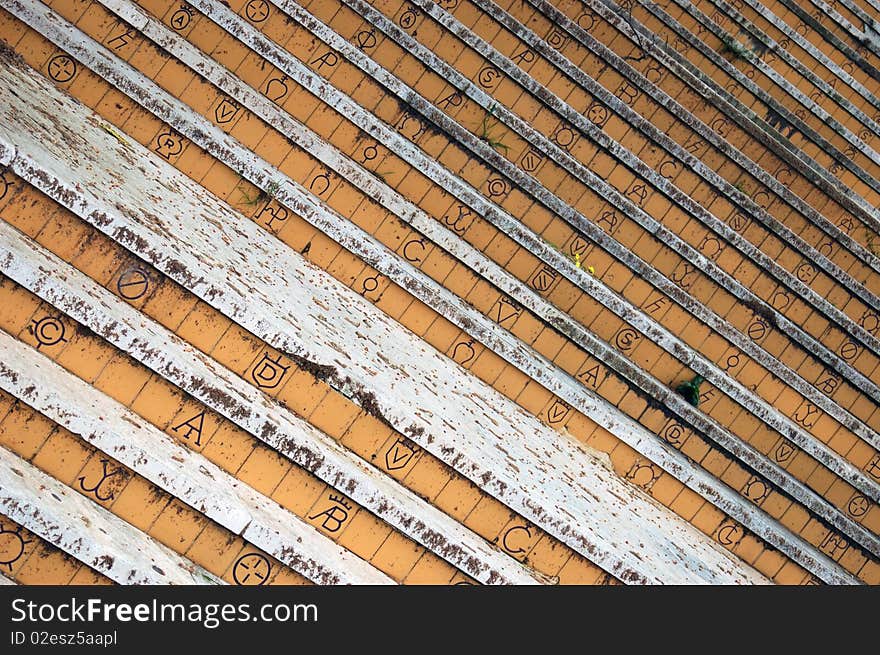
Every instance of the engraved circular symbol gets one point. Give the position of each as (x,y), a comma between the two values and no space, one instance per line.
(11,546)
(597,114)
(4,186)
(370,284)
(626,338)
(488,77)
(257,11)
(181,18)
(497,187)
(49,331)
(673,433)
(849,350)
(132,284)
(251,570)
(62,68)
(858,506)
(408,18)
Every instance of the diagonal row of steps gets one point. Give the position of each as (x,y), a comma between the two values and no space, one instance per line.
(178,273)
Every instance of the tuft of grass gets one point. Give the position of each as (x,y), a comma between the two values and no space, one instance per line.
(742,188)
(257,198)
(487,126)
(729,45)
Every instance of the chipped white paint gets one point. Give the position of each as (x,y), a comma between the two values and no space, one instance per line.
(460,249)
(87,531)
(75,294)
(183,473)
(260,283)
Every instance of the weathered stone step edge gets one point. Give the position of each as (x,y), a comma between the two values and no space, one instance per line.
(535,471)
(248,35)
(863,211)
(742,115)
(88,532)
(185,474)
(773,46)
(522,235)
(638,379)
(694,163)
(568,162)
(4,581)
(157,348)
(769,101)
(805,101)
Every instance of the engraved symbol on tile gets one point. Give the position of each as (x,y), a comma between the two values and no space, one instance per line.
(655,305)
(271,213)
(488,77)
(406,119)
(193,425)
(858,506)
(95,489)
(525,56)
(597,114)
(168,145)
(257,11)
(514,539)
(780,300)
(370,284)
(409,17)
(399,454)
(448,5)
(62,68)
(849,350)
(504,310)
(673,433)
(414,250)
(664,169)
(684,274)
(328,59)
(320,181)
(869,322)
(591,375)
(626,339)
(531,160)
(556,38)
(251,570)
(732,361)
(872,468)
(181,18)
(276,88)
(369,154)
(784,451)
(609,220)
(757,329)
(268,372)
(123,39)
(464,352)
(226,111)
(11,546)
(643,474)
(756,490)
(807,414)
(335,515)
(834,546)
(827,383)
(806,273)
(497,187)
(627,93)
(564,136)
(544,278)
(558,411)
(711,247)
(586,20)
(459,224)
(366,39)
(452,100)
(637,192)
(738,222)
(133,284)
(48,331)
(4,185)
(729,533)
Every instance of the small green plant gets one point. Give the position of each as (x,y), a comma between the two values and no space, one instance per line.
(691,390)
(249,200)
(730,45)
(487,126)
(742,188)
(383,175)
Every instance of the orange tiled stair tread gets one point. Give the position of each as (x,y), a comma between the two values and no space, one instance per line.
(203,328)
(714,518)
